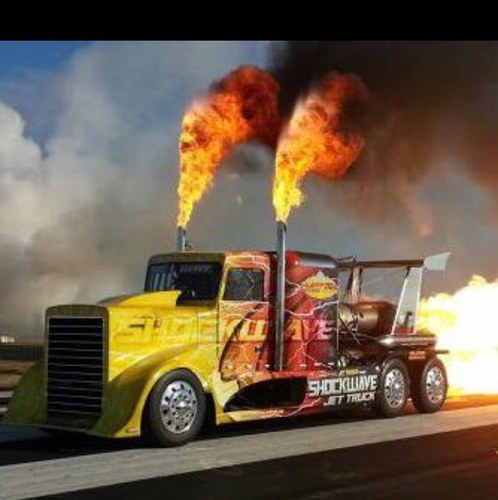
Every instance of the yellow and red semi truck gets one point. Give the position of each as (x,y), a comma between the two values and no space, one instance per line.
(232,336)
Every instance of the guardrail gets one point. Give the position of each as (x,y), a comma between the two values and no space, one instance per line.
(4,401)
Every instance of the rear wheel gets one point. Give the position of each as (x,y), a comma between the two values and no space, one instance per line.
(393,390)
(176,409)
(430,385)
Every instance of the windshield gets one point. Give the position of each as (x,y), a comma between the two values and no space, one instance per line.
(196,280)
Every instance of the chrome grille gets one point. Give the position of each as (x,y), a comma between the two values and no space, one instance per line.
(75,365)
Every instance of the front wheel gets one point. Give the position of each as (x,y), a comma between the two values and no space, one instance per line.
(393,390)
(430,385)
(176,409)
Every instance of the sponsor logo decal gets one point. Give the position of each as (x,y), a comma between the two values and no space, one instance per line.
(344,390)
(416,355)
(320,286)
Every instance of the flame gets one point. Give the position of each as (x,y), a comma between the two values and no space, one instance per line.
(242,107)
(464,324)
(313,140)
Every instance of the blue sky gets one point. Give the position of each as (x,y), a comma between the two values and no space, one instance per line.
(33,74)
(17,57)
(30,72)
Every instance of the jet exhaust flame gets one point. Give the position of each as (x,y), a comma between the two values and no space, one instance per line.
(242,107)
(314,140)
(465,325)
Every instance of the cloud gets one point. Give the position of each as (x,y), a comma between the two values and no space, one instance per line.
(81,212)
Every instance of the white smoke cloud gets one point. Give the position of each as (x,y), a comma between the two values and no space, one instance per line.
(20,162)
(80,213)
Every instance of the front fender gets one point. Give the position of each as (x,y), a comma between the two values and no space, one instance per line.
(27,405)
(126,395)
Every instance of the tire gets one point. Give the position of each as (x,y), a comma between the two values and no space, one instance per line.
(176,409)
(394,388)
(429,386)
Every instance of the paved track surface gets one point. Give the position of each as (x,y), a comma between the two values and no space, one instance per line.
(112,466)
(452,465)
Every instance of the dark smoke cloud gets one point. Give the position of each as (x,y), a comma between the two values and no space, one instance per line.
(430,102)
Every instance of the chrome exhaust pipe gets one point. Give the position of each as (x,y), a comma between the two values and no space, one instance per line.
(280,297)
(181,239)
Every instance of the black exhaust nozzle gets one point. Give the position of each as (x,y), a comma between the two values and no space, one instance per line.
(280,297)
(181,239)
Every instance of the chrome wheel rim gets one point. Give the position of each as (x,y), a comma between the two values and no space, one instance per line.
(178,406)
(435,385)
(394,388)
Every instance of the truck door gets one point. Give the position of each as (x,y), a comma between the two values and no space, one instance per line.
(310,316)
(243,320)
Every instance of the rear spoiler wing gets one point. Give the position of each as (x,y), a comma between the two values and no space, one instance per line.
(435,262)
(406,311)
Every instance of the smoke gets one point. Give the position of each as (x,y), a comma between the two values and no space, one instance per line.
(84,205)
(88,181)
(430,102)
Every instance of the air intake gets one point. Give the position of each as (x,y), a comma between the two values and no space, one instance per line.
(75,365)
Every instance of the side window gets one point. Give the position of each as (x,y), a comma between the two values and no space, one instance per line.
(244,284)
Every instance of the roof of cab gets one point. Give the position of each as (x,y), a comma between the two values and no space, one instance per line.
(294,257)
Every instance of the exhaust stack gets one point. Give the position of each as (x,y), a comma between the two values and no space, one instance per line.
(181,239)
(280,297)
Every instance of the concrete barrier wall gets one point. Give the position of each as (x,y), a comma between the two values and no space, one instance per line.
(21,352)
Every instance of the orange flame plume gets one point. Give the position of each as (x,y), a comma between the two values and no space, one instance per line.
(242,107)
(464,324)
(313,140)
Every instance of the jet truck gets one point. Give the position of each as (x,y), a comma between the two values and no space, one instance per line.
(234,336)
